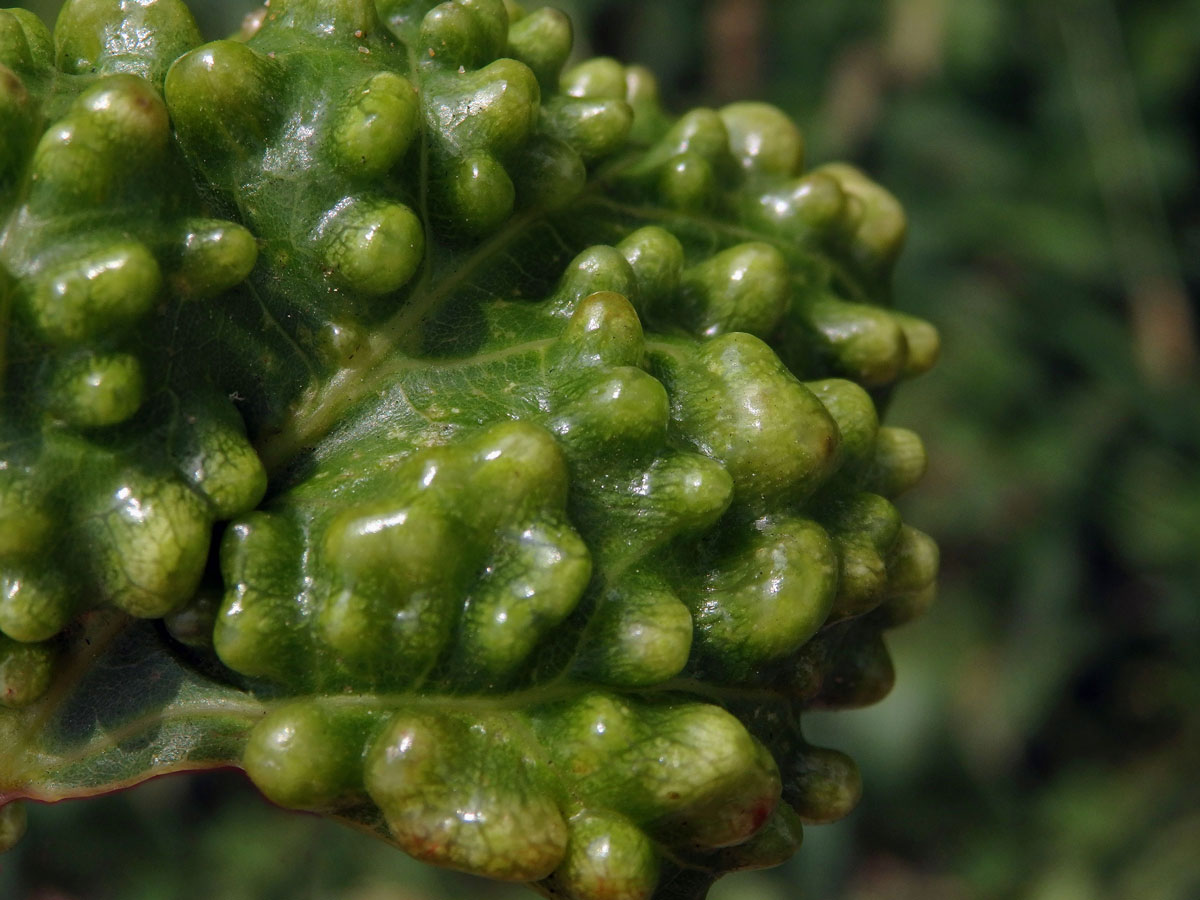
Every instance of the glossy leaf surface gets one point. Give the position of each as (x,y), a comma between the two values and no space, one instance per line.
(463,447)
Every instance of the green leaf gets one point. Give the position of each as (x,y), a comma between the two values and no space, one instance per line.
(483,459)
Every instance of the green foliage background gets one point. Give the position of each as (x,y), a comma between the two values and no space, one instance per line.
(1043,738)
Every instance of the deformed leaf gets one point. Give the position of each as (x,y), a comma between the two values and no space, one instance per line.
(466,449)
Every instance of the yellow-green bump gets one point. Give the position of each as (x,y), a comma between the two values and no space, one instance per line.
(596,269)
(763,139)
(131,115)
(96,390)
(542,40)
(100,292)
(68,164)
(924,344)
(141,37)
(870,516)
(860,341)
(736,402)
(25,672)
(478,523)
(601,78)
(640,635)
(372,246)
(34,606)
(114,129)
(494,108)
(700,131)
(604,329)
(865,528)
(656,257)
(745,288)
(517,467)
(641,93)
(691,492)
(690,774)
(619,407)
(912,573)
(529,566)
(595,128)
(899,462)
(913,562)
(399,569)
(349,20)
(257,631)
(687,182)
(825,785)
(879,223)
(224,98)
(698,778)
(857,420)
(375,130)
(150,538)
(215,456)
(14,46)
(304,755)
(212,256)
(586,733)
(480,192)
(468,795)
(863,578)
(529,586)
(801,209)
(766,598)
(607,858)
(464,33)
(37,37)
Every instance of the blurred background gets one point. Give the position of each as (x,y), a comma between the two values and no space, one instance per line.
(1043,740)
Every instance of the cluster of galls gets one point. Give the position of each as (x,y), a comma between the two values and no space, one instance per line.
(98,505)
(582,496)
(656,519)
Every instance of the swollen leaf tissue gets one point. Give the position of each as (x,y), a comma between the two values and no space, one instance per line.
(452,439)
